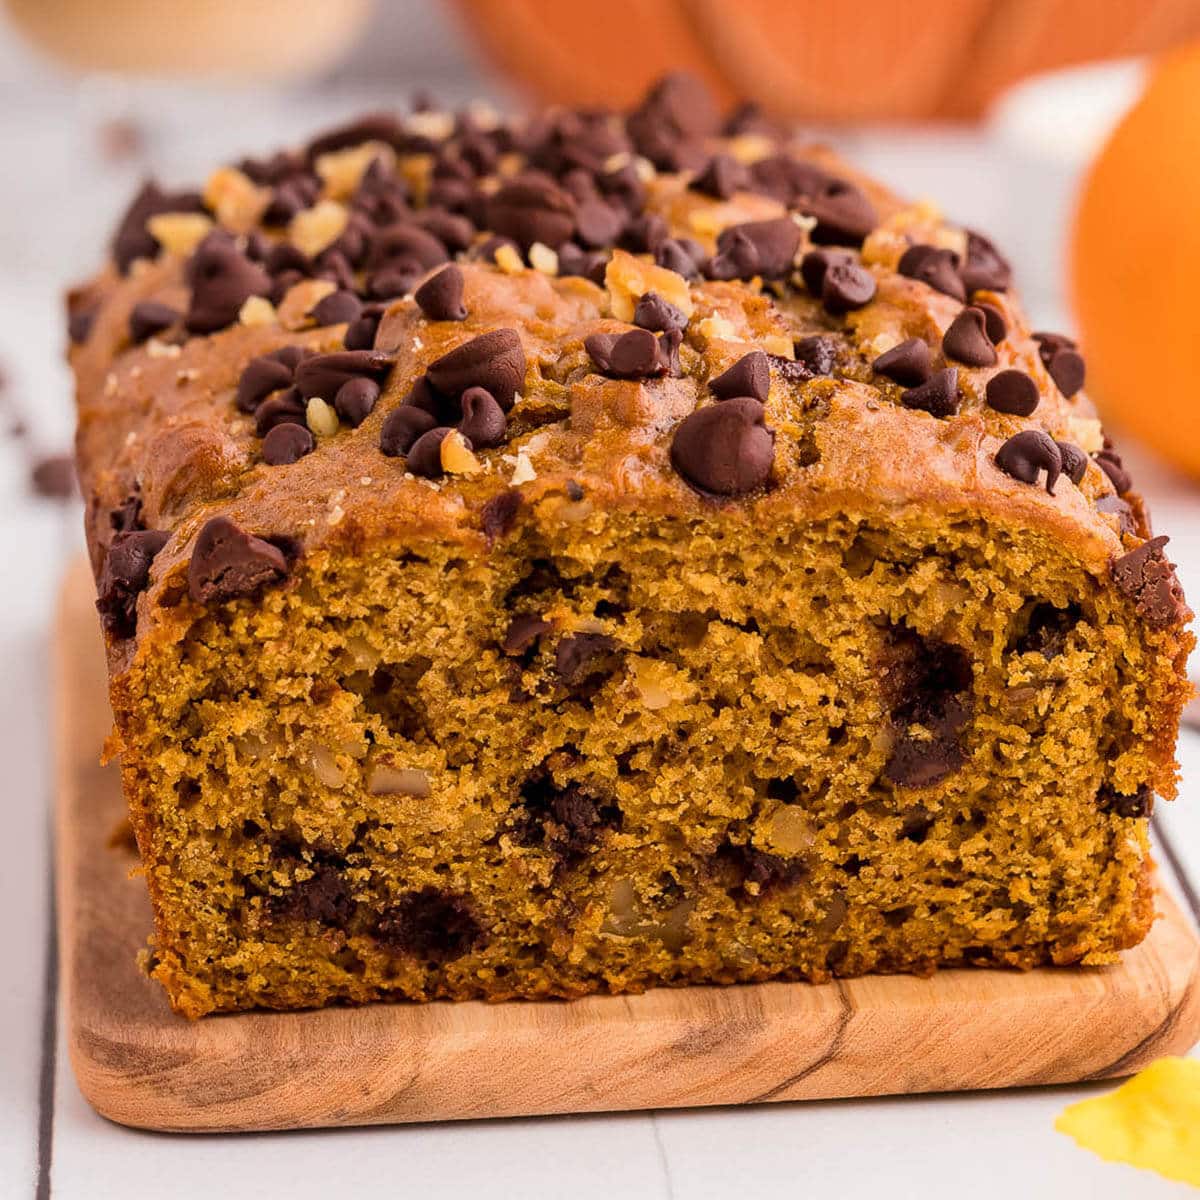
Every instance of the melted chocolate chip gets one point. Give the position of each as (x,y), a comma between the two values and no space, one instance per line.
(749,376)
(149,317)
(524,632)
(324,897)
(938,395)
(1014,392)
(725,449)
(908,364)
(1146,577)
(499,514)
(125,575)
(1122,804)
(1026,454)
(966,339)
(765,872)
(483,422)
(440,297)
(933,266)
(494,361)
(658,315)
(401,428)
(1048,630)
(764,248)
(584,661)
(566,821)
(431,925)
(222,279)
(287,444)
(228,563)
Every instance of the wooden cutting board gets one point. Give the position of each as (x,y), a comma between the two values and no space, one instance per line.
(139,1064)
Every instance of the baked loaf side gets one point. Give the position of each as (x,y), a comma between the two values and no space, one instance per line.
(592,552)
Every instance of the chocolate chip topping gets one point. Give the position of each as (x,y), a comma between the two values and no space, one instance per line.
(966,339)
(725,448)
(814,265)
(263,375)
(1109,461)
(286,444)
(228,563)
(846,286)
(494,360)
(338,308)
(938,395)
(722,176)
(933,266)
(79,325)
(749,376)
(222,279)
(125,576)
(483,422)
(844,214)
(1062,360)
(440,297)
(1028,453)
(425,454)
(278,409)
(149,317)
(1074,462)
(355,400)
(638,354)
(817,354)
(132,239)
(986,268)
(908,364)
(401,428)
(1012,391)
(764,248)
(323,374)
(658,315)
(531,208)
(1146,577)
(360,333)
(994,323)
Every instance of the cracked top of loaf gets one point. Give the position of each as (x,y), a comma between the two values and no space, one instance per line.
(414,327)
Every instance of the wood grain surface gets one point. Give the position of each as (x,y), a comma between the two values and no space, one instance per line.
(139,1064)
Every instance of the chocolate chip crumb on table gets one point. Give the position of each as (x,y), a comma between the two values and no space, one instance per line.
(597,551)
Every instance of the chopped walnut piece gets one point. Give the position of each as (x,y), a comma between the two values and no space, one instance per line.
(238,202)
(457,458)
(179,233)
(341,171)
(257,310)
(313,229)
(628,279)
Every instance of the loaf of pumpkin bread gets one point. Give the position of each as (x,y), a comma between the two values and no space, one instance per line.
(593,551)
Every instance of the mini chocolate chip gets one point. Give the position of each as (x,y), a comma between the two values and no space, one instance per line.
(355,400)
(425,455)
(598,223)
(79,325)
(401,428)
(407,246)
(279,408)
(722,176)
(440,297)
(749,376)
(658,315)
(637,354)
(323,374)
(1124,804)
(1074,462)
(483,422)
(523,632)
(1012,391)
(933,266)
(125,576)
(396,279)
(725,448)
(1062,360)
(286,444)
(531,208)
(994,323)
(361,333)
(844,214)
(227,563)
(1109,461)
(222,279)
(763,248)
(966,340)
(908,364)
(338,308)
(149,317)
(814,265)
(260,377)
(986,268)
(938,395)
(494,360)
(1027,453)
(675,254)
(1119,507)
(132,239)
(1145,576)
(583,264)
(818,354)
(846,286)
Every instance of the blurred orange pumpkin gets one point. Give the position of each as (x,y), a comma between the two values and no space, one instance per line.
(815,59)
(1135,266)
